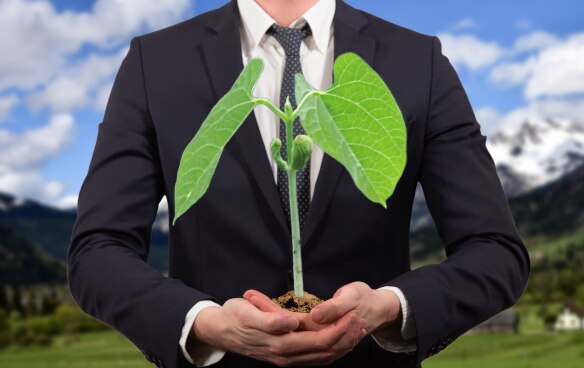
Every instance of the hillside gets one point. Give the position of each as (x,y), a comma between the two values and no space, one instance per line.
(46,227)
(50,228)
(553,210)
(23,263)
(536,152)
(546,214)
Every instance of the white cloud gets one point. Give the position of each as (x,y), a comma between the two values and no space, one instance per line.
(512,73)
(6,105)
(536,40)
(77,86)
(35,147)
(466,23)
(489,119)
(68,201)
(40,39)
(63,94)
(29,184)
(470,51)
(571,109)
(102,96)
(561,108)
(23,155)
(554,71)
(559,70)
(62,61)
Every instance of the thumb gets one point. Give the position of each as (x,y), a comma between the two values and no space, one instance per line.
(332,309)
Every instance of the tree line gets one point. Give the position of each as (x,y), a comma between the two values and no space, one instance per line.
(34,314)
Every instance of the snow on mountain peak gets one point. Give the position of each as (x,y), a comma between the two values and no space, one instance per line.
(536,152)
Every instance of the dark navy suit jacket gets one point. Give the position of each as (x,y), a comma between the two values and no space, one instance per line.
(236,237)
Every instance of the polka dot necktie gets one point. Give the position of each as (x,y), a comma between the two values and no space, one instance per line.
(290,39)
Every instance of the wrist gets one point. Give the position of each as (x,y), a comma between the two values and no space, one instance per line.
(206,325)
(387,309)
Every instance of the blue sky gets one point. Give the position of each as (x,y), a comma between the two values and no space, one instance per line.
(516,59)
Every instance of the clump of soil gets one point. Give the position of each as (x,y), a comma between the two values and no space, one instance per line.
(293,303)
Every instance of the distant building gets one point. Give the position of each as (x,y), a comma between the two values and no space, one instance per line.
(505,322)
(570,318)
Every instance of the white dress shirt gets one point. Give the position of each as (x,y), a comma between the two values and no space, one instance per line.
(318,52)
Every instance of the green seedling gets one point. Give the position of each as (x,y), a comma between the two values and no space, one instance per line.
(356,121)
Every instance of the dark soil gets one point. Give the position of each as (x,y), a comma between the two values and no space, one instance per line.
(292,303)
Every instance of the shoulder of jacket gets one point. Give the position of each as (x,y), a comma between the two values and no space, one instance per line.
(188,32)
(392,34)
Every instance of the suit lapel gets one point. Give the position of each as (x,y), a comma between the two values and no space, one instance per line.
(222,53)
(348,24)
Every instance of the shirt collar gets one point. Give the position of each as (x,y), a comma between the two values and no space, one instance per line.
(256,21)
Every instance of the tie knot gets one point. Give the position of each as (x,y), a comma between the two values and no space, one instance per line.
(290,38)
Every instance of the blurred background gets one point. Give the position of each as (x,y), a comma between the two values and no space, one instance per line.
(521,63)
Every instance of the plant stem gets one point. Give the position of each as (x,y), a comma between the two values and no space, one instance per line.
(303,101)
(272,107)
(288,116)
(294,222)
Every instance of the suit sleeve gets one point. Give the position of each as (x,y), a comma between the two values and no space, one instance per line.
(107,271)
(487,265)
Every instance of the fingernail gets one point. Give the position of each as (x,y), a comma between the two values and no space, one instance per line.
(317,314)
(363,333)
(248,294)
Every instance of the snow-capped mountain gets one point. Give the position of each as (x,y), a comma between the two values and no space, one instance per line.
(536,152)
(527,155)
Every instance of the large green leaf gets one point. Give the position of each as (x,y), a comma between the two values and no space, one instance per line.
(200,157)
(357,122)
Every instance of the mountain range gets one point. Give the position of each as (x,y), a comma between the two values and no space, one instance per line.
(23,263)
(528,155)
(48,229)
(548,212)
(536,152)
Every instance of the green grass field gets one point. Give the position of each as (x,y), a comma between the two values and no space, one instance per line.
(91,350)
(109,349)
(544,350)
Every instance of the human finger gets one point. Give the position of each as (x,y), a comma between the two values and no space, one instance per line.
(269,322)
(325,357)
(333,309)
(317,348)
(265,304)
(337,334)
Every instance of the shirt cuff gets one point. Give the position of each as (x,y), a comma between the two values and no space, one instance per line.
(196,353)
(405,341)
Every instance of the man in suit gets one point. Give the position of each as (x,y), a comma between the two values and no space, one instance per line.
(236,237)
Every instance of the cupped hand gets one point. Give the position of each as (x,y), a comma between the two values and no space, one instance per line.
(241,327)
(379,308)
(265,304)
